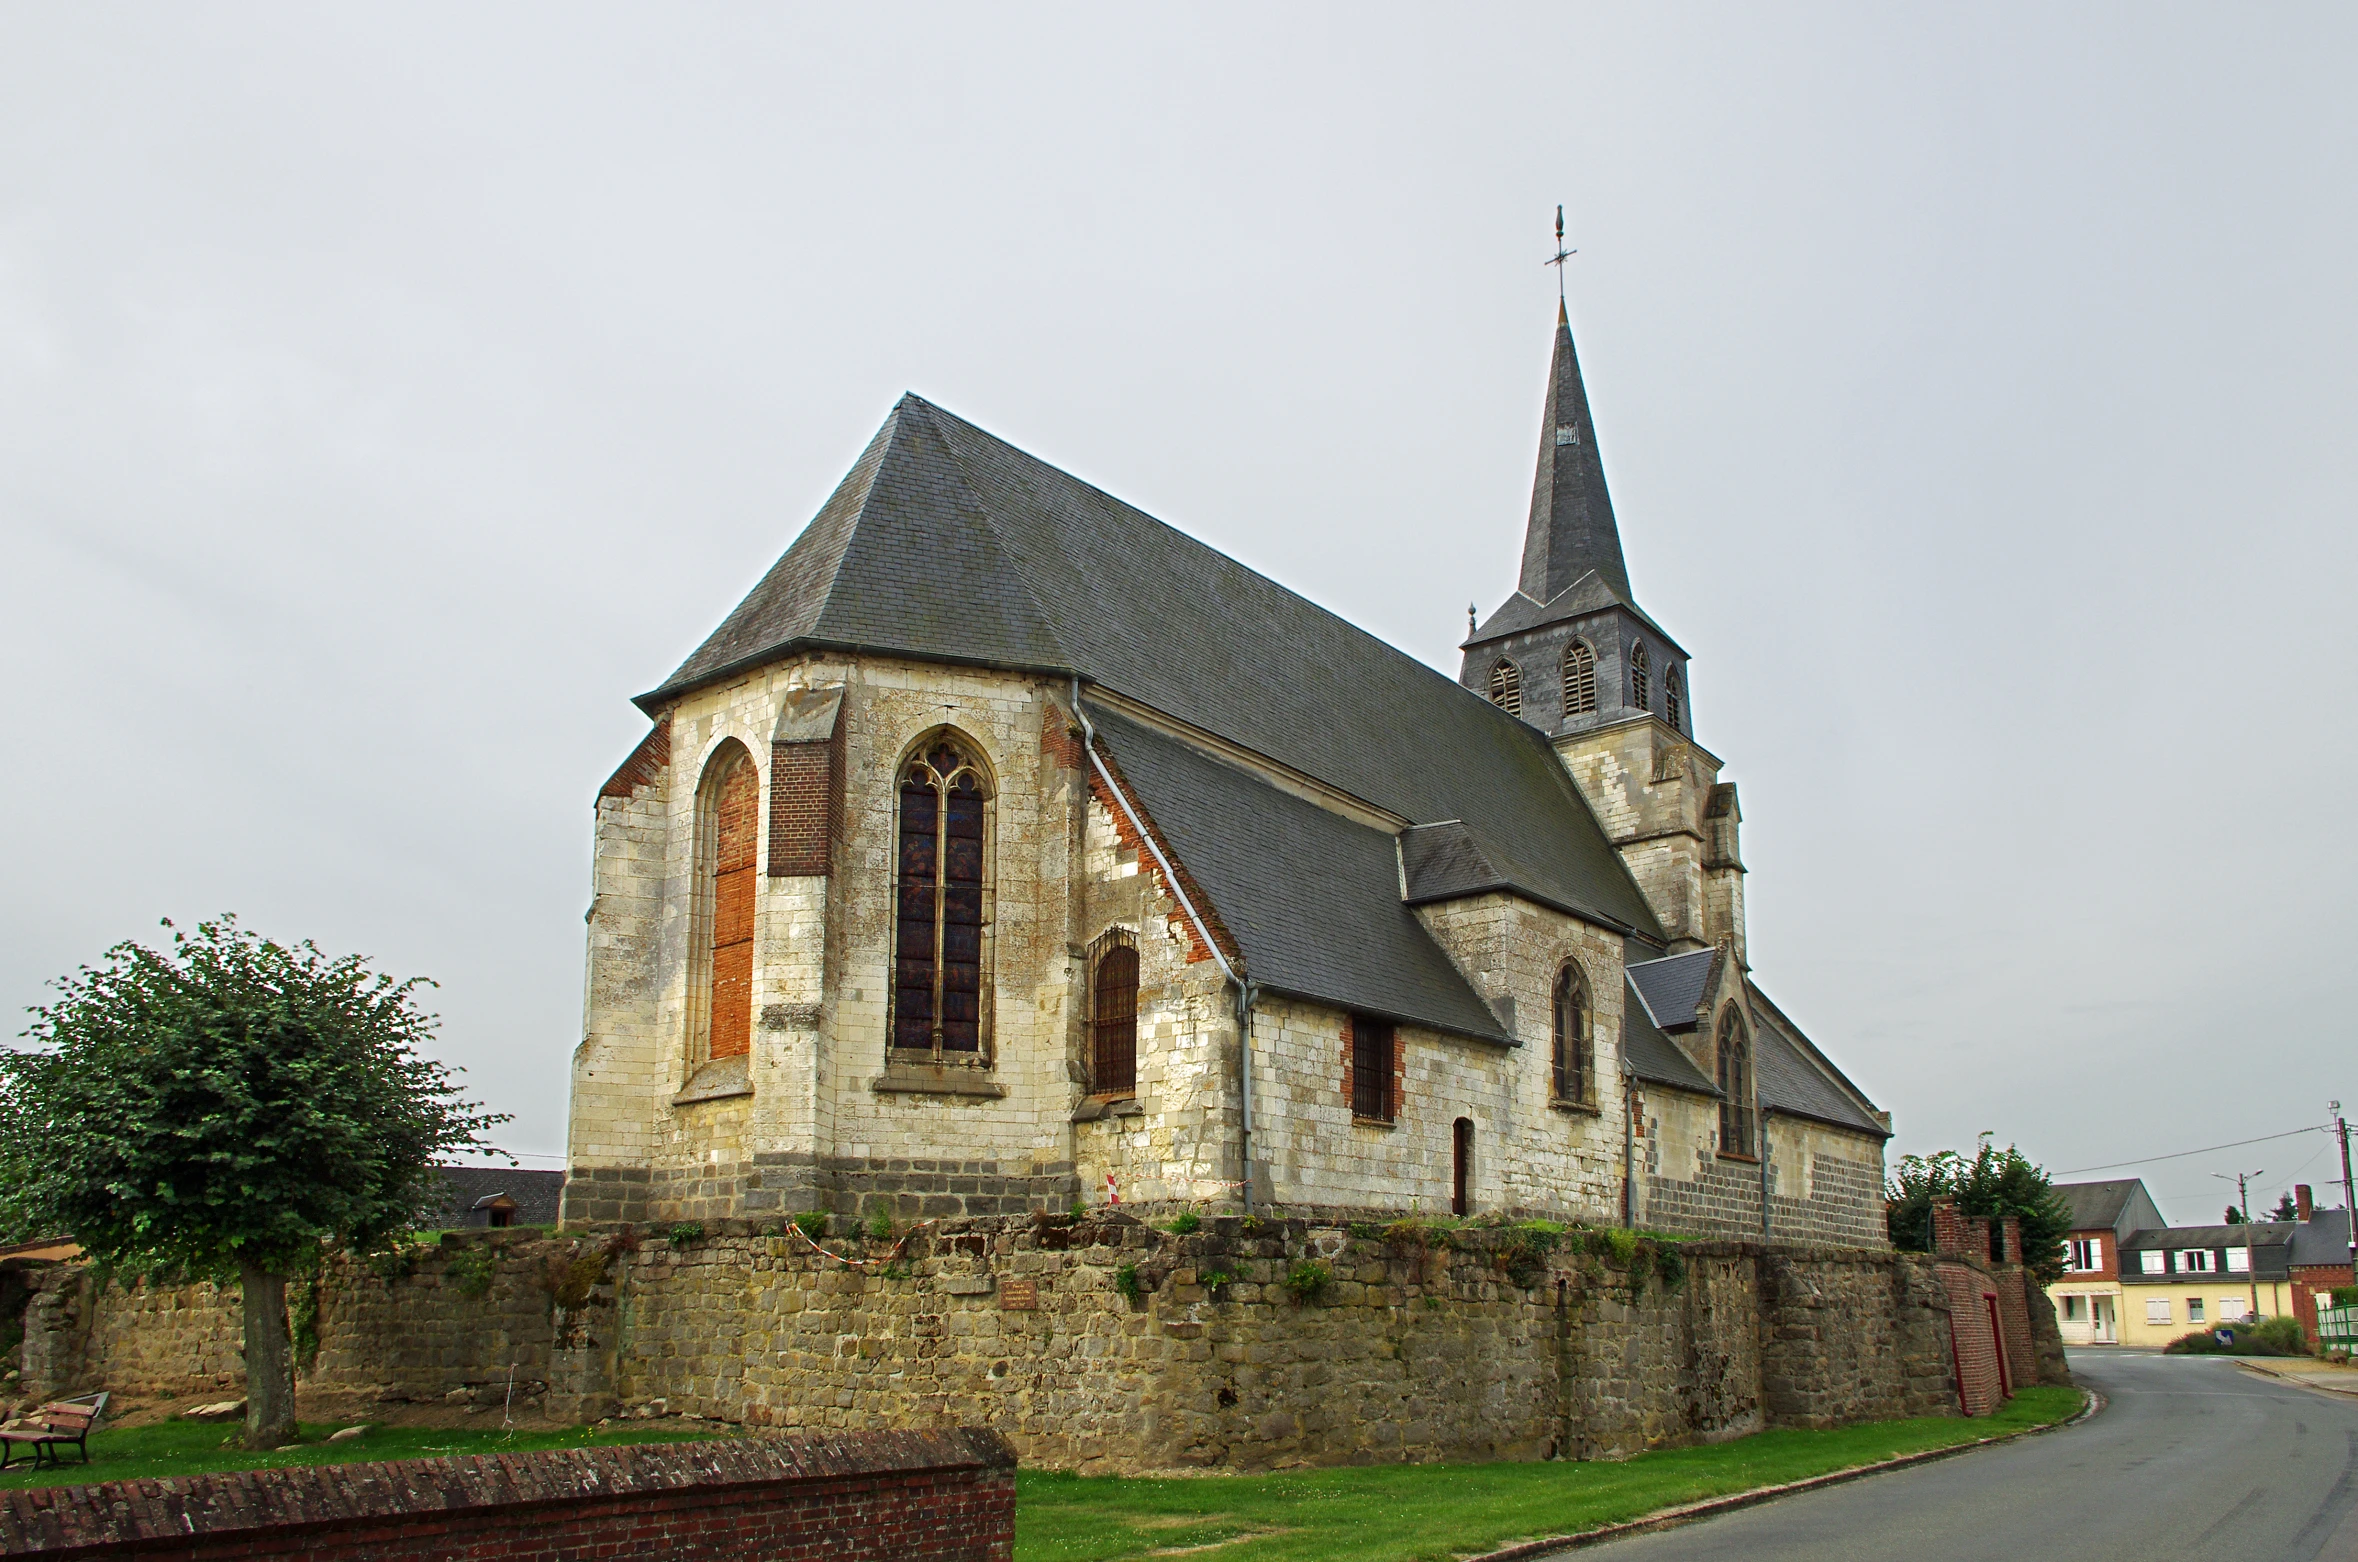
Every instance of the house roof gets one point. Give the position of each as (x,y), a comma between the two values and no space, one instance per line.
(2256,1234)
(2323,1239)
(1331,927)
(536,1192)
(949,544)
(1654,1057)
(2096,1205)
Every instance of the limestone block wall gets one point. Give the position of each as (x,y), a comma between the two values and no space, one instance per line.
(1824,1185)
(1102,1343)
(1648,786)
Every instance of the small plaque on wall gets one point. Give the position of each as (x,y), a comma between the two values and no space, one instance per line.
(1019,1296)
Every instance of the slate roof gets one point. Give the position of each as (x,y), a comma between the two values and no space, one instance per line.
(1654,1057)
(1331,926)
(2322,1239)
(2270,1242)
(1675,986)
(1571,531)
(2096,1205)
(1589,594)
(536,1192)
(1795,1078)
(948,543)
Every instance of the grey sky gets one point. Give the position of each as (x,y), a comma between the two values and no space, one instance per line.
(386,395)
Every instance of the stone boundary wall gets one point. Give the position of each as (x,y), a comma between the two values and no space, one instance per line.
(860,1497)
(1104,1344)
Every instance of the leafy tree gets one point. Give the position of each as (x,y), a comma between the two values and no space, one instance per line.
(225,1106)
(1995,1183)
(2234,1216)
(2285,1208)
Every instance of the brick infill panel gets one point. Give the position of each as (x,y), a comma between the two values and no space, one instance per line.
(849,1495)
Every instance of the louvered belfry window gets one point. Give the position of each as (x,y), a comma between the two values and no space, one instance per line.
(1641,688)
(1575,1068)
(1113,1023)
(1580,679)
(1672,688)
(1371,1069)
(732,794)
(1506,688)
(937,952)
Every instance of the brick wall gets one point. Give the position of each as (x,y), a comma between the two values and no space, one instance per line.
(1981,1384)
(802,806)
(858,1497)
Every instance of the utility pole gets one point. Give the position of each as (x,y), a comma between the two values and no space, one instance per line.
(2242,1201)
(2349,1202)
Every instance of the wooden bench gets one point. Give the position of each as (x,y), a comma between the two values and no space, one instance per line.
(51,1427)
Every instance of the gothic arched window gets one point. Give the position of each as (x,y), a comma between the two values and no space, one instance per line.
(1672,688)
(937,947)
(1735,1084)
(1113,1021)
(1580,679)
(1641,689)
(1506,687)
(728,816)
(1575,1056)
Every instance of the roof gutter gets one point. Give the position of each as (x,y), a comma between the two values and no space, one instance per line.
(1245,990)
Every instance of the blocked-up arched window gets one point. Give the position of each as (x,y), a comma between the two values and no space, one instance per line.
(1735,1084)
(937,945)
(1673,692)
(1506,687)
(728,818)
(1641,687)
(1113,1020)
(1575,1058)
(1580,679)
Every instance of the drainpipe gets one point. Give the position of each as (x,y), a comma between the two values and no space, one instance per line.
(1628,1146)
(1244,990)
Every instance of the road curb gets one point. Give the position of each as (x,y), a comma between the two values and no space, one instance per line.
(2297,1380)
(1671,1518)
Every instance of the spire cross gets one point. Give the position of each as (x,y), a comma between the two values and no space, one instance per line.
(1560,256)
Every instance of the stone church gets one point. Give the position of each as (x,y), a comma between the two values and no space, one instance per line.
(1006,846)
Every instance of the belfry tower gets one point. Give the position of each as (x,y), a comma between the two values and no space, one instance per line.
(1572,653)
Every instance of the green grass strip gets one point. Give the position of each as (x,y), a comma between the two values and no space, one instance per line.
(1432,1512)
(204,1447)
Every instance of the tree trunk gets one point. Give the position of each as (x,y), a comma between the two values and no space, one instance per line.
(270,1360)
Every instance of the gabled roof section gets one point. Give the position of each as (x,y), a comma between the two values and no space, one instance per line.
(1571,531)
(2323,1239)
(1311,898)
(1676,986)
(2257,1234)
(949,544)
(1654,1057)
(2097,1206)
(1797,1079)
(1589,594)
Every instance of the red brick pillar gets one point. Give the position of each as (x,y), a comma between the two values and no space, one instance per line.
(1948,1229)
(2013,1233)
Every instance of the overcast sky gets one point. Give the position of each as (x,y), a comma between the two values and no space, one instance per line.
(386,395)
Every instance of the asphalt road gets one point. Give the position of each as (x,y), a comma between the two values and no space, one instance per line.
(2193,1458)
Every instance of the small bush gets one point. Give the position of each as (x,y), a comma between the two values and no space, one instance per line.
(1523,1258)
(570,1281)
(686,1233)
(472,1269)
(1182,1223)
(880,1227)
(1213,1279)
(812,1223)
(2268,1337)
(1307,1279)
(1670,1265)
(2345,1296)
(1409,1233)
(1366,1230)
(1126,1281)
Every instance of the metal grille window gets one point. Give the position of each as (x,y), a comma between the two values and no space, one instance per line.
(1672,689)
(1735,1084)
(1641,688)
(1371,1069)
(1506,688)
(1113,1023)
(937,950)
(1575,1063)
(1580,679)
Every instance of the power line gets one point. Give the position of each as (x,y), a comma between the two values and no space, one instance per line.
(2179,1155)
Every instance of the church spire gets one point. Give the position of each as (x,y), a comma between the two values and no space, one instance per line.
(1572,530)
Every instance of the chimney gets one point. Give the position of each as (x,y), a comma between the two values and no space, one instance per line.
(2302,1202)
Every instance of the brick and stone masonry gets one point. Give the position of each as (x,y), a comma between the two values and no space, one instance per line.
(847,1497)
